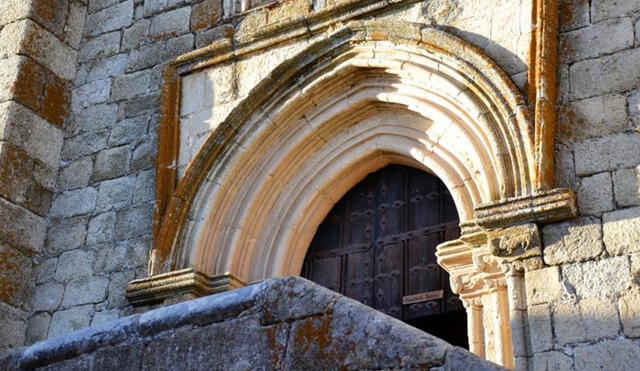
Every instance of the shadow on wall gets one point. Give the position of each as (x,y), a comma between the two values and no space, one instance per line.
(448,16)
(584,335)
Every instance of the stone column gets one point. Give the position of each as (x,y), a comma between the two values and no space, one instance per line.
(474,326)
(514,274)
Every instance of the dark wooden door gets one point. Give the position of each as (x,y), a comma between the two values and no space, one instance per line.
(378,244)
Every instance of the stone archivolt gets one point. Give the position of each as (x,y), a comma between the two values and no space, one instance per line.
(356,101)
(368,95)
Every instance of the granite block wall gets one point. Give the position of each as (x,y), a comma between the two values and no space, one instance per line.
(80,84)
(99,221)
(39,42)
(587,317)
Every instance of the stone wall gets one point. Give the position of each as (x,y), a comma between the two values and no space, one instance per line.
(79,108)
(39,42)
(583,306)
(100,219)
(284,324)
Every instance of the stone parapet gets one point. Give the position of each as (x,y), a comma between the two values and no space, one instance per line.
(287,323)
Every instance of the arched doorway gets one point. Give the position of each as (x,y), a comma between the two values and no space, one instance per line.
(377,245)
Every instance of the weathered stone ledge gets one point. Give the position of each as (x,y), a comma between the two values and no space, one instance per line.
(287,323)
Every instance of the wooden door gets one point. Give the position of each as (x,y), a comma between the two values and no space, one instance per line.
(378,244)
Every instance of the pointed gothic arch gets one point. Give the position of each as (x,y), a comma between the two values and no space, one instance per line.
(464,120)
(368,95)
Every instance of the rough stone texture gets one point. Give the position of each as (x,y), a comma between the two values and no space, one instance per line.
(149,56)
(601,38)
(32,134)
(38,327)
(125,255)
(29,38)
(118,287)
(540,328)
(603,9)
(595,194)
(38,53)
(74,264)
(133,222)
(101,228)
(103,231)
(112,18)
(85,144)
(600,318)
(634,106)
(91,93)
(604,278)
(277,324)
(621,231)
(626,186)
(15,271)
(69,320)
(105,316)
(47,297)
(543,285)
(74,203)
(607,153)
(608,74)
(629,307)
(103,45)
(616,355)
(91,290)
(583,119)
(172,23)
(115,194)
(572,241)
(145,187)
(549,361)
(111,163)
(205,14)
(129,131)
(66,234)
(567,324)
(22,228)
(14,326)
(93,118)
(76,174)
(131,85)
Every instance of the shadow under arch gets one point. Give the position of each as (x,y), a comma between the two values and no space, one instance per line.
(469,126)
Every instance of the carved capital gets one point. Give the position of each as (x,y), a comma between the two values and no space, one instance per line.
(465,282)
(485,262)
(514,268)
(474,303)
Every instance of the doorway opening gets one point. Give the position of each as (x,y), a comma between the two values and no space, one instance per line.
(377,245)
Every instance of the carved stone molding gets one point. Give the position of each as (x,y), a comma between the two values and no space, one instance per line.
(517,242)
(542,207)
(183,283)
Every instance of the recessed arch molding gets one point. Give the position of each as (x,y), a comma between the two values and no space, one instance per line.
(368,95)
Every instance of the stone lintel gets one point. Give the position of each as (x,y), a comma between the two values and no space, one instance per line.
(541,207)
(184,283)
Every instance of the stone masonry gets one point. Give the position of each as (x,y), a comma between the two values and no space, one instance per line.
(588,312)
(282,324)
(99,225)
(39,43)
(80,89)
